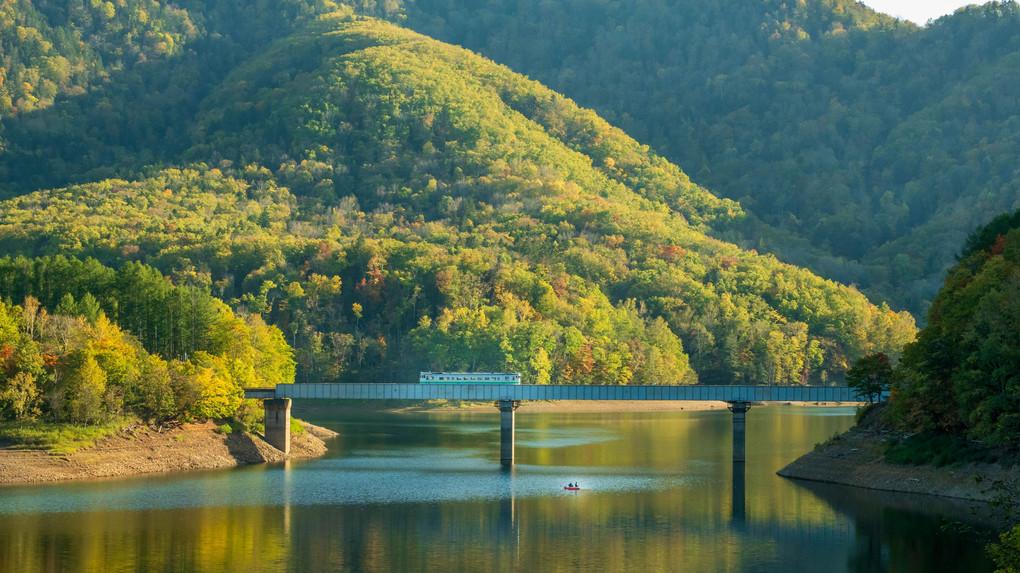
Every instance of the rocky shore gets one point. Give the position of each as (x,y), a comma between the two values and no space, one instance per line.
(146,450)
(856,458)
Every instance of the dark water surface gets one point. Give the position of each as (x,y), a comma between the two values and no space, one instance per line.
(425,492)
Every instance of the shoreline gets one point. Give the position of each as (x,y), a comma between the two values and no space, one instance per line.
(131,453)
(856,458)
(146,451)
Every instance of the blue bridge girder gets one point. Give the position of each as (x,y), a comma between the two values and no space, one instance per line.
(387,391)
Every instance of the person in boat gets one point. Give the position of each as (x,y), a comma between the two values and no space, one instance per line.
(570,485)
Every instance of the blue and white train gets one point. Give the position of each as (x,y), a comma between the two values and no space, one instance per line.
(470,378)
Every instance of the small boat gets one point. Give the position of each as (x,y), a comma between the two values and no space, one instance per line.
(571,488)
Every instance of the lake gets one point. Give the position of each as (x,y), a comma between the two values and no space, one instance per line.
(426,492)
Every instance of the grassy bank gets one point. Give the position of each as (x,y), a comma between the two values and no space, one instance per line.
(56,438)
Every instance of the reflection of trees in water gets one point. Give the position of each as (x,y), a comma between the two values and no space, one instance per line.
(692,519)
(901,531)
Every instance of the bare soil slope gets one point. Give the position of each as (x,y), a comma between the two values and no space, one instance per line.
(857,458)
(143,451)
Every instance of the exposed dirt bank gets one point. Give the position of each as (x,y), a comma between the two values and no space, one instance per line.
(144,451)
(856,458)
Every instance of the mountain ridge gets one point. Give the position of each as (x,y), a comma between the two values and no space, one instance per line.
(411,217)
(809,114)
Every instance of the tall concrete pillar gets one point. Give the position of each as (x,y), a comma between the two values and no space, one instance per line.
(506,430)
(739,410)
(278,423)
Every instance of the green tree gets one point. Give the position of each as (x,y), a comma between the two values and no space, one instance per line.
(19,397)
(151,397)
(83,385)
(870,375)
(1006,553)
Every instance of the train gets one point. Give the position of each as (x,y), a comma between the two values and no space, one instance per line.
(470,378)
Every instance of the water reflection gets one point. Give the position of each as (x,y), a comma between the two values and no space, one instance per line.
(508,528)
(923,532)
(427,493)
(738,514)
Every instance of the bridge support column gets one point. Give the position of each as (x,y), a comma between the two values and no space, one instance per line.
(278,423)
(506,430)
(739,410)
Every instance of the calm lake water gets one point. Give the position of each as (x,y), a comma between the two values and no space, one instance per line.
(425,492)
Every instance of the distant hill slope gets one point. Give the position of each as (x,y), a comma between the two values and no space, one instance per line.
(863,147)
(393,203)
(89,90)
(49,49)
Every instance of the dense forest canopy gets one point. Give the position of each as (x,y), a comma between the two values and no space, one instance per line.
(961,375)
(69,355)
(394,204)
(863,147)
(92,89)
(860,146)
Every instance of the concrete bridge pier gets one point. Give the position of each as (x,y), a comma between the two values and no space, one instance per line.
(739,410)
(278,423)
(506,430)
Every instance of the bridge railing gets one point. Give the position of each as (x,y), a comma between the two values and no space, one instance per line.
(260,393)
(386,391)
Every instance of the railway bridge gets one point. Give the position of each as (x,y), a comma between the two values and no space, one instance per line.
(507,397)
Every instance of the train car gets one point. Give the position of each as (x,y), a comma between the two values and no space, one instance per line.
(470,378)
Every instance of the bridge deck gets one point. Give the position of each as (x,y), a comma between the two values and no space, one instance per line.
(526,392)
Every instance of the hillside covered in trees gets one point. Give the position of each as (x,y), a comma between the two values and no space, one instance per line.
(862,147)
(393,204)
(960,376)
(138,347)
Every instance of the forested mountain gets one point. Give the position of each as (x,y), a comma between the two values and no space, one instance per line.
(860,146)
(93,89)
(863,147)
(396,204)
